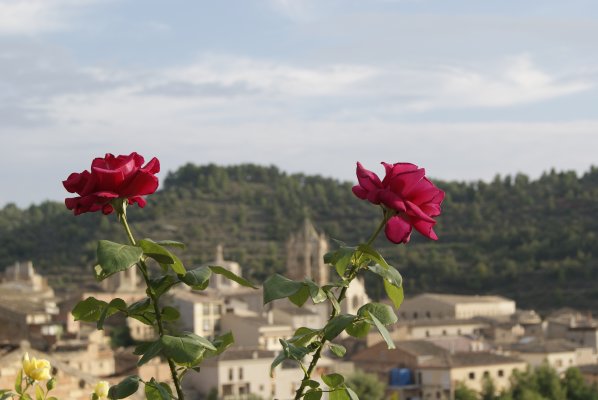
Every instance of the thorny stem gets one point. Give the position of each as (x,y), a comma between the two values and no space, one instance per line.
(122,216)
(334,313)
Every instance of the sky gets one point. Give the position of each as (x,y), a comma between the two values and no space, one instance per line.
(464,88)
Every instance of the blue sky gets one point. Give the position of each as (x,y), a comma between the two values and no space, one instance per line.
(466,89)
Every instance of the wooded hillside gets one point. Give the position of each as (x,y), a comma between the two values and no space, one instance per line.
(533,240)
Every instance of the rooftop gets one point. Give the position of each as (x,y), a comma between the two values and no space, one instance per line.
(245,353)
(380,351)
(295,310)
(545,346)
(460,299)
(441,322)
(468,359)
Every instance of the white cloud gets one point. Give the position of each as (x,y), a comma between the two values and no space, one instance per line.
(37,16)
(515,81)
(272,77)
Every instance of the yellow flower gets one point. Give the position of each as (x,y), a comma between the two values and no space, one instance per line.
(101,389)
(38,370)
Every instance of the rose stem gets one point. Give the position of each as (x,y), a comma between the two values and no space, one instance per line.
(143,268)
(341,297)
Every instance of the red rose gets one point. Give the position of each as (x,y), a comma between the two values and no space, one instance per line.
(407,191)
(112,178)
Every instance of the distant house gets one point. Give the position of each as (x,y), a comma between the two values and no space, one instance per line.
(429,328)
(200,311)
(419,369)
(574,326)
(438,306)
(560,354)
(239,372)
(254,331)
(440,375)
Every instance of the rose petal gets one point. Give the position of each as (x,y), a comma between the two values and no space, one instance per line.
(139,200)
(367,179)
(397,230)
(414,211)
(75,182)
(141,184)
(108,179)
(152,167)
(392,200)
(395,169)
(360,192)
(425,228)
(404,183)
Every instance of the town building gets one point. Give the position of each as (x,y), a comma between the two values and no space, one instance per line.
(439,306)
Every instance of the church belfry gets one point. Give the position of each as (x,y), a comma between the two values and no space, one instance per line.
(305,254)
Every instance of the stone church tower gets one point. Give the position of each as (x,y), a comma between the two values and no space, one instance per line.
(305,255)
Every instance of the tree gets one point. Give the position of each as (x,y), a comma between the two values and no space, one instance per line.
(462,392)
(488,389)
(367,386)
(549,384)
(576,387)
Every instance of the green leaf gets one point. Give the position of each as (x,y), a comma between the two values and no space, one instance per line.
(115,257)
(303,336)
(157,252)
(279,287)
(39,393)
(384,332)
(124,388)
(6,395)
(140,306)
(198,278)
(150,350)
(88,310)
(170,314)
(352,394)
(300,297)
(373,255)
(293,352)
(337,349)
(393,282)
(333,380)
(162,284)
(384,313)
(279,358)
(221,343)
(171,243)
(395,294)
(143,311)
(336,325)
(227,274)
(111,308)
(312,384)
(51,384)
(19,382)
(156,391)
(340,259)
(316,293)
(313,395)
(339,394)
(142,348)
(333,301)
(177,266)
(358,328)
(185,349)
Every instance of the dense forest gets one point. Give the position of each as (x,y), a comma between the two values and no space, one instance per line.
(533,240)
